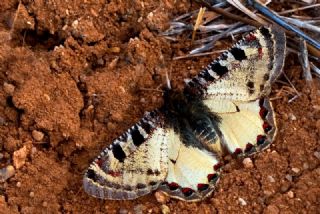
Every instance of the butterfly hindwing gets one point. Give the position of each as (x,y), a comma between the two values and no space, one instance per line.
(246,128)
(191,170)
(133,165)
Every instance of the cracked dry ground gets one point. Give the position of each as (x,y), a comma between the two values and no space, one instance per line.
(70,80)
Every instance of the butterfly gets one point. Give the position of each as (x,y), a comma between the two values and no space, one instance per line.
(178,148)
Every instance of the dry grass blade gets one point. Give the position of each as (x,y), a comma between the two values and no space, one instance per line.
(198,22)
(199,54)
(303,57)
(274,17)
(15,19)
(302,24)
(298,9)
(315,68)
(237,4)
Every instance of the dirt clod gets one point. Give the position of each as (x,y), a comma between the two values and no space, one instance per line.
(19,157)
(165,209)
(247,163)
(6,173)
(8,88)
(37,135)
(161,197)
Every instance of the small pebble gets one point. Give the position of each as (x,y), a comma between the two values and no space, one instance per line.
(138,209)
(289,177)
(117,117)
(284,187)
(272,209)
(295,170)
(317,155)
(33,150)
(2,121)
(1,156)
(290,194)
(123,211)
(142,100)
(305,166)
(247,162)
(242,202)
(19,157)
(37,135)
(113,63)
(165,209)
(18,184)
(8,88)
(161,197)
(271,179)
(31,194)
(44,204)
(267,192)
(292,116)
(6,173)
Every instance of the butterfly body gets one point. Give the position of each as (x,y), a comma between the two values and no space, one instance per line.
(178,148)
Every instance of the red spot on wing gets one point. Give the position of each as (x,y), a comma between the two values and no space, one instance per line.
(187,191)
(260,53)
(114,174)
(212,177)
(99,162)
(261,139)
(263,112)
(251,37)
(173,186)
(266,127)
(249,146)
(237,151)
(202,187)
(217,166)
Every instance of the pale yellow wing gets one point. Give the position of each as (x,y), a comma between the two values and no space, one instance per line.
(246,71)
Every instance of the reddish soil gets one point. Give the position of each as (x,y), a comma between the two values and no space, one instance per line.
(83,72)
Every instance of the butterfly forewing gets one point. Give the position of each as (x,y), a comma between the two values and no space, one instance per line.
(134,164)
(246,71)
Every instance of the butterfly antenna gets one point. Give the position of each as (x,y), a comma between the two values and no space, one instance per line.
(168,81)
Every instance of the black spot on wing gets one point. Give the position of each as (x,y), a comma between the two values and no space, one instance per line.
(92,175)
(205,74)
(250,86)
(118,153)
(141,186)
(173,161)
(146,126)
(265,32)
(137,137)
(238,53)
(219,69)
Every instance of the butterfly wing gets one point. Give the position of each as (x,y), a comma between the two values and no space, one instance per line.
(247,127)
(232,86)
(133,165)
(191,169)
(246,71)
